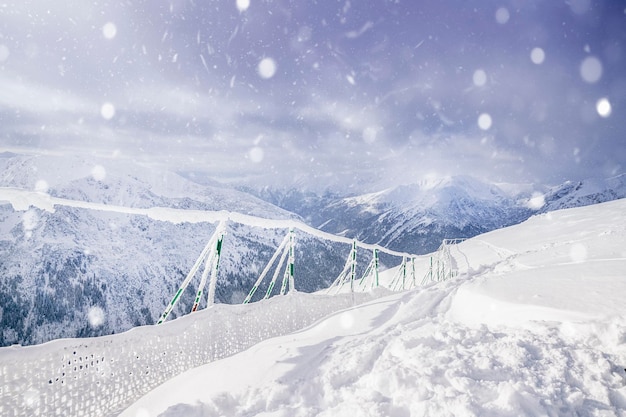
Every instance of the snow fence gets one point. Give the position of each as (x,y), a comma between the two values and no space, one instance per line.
(102,376)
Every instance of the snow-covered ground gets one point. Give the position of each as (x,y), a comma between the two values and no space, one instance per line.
(534,325)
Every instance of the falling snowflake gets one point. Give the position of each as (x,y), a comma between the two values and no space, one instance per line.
(484,121)
(95,315)
(603,107)
(256,154)
(537,55)
(98,173)
(591,69)
(243,5)
(41,186)
(32,398)
(370,134)
(502,15)
(4,53)
(109,30)
(479,78)
(107,111)
(579,7)
(30,220)
(267,68)
(347,320)
(578,253)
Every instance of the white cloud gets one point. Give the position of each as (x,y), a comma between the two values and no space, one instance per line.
(40,99)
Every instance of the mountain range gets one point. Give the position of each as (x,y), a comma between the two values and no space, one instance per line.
(74,270)
(417,217)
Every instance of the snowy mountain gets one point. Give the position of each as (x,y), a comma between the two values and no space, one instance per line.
(125,183)
(417,217)
(87,246)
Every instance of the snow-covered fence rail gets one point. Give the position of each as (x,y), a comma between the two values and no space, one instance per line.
(23,199)
(100,376)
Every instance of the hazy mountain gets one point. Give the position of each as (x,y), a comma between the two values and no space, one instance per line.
(416,217)
(61,268)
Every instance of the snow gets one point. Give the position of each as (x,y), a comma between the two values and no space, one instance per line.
(267,68)
(525,330)
(537,56)
(484,121)
(591,69)
(533,325)
(109,30)
(479,78)
(603,107)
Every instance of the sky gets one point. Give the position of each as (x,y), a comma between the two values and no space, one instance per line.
(351,95)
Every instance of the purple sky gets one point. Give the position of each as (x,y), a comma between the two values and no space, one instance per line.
(350,94)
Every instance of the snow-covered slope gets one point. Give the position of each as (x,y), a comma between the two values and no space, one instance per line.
(584,193)
(78,236)
(535,324)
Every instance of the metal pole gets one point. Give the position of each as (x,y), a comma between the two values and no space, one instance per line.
(266,270)
(186,281)
(375,268)
(216,265)
(353,267)
(291,264)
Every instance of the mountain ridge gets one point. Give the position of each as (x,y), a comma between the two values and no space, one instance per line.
(458,206)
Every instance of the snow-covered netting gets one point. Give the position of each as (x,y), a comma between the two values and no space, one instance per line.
(99,376)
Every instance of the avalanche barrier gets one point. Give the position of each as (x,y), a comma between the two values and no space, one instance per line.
(102,376)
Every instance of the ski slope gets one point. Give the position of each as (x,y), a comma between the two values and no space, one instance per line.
(534,325)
